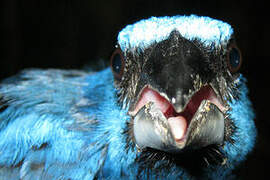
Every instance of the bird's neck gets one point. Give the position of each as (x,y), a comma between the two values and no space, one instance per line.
(118,155)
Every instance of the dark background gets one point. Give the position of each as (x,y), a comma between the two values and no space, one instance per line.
(73,33)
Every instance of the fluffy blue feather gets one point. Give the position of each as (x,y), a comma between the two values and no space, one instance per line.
(143,33)
(61,124)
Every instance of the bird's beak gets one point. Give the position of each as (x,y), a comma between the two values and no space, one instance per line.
(156,128)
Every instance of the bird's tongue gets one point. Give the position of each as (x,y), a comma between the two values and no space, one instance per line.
(178,127)
(178,123)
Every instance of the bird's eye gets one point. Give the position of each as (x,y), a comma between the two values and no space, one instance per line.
(234,58)
(117,63)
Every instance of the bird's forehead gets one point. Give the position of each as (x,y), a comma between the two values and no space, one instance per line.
(155,29)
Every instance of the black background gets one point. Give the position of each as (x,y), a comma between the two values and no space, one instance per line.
(72,33)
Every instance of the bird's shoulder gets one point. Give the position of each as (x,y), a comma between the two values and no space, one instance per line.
(44,92)
(42,121)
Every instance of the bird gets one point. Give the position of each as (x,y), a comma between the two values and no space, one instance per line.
(172,105)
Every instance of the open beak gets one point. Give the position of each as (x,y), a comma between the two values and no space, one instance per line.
(158,125)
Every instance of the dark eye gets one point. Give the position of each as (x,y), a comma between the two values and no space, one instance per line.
(234,58)
(117,63)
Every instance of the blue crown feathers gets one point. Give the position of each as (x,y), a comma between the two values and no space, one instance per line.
(155,29)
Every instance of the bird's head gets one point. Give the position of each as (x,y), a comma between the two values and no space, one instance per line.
(177,75)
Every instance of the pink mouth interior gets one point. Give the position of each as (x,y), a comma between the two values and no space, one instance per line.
(178,121)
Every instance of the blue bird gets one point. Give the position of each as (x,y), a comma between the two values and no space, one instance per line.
(173,105)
